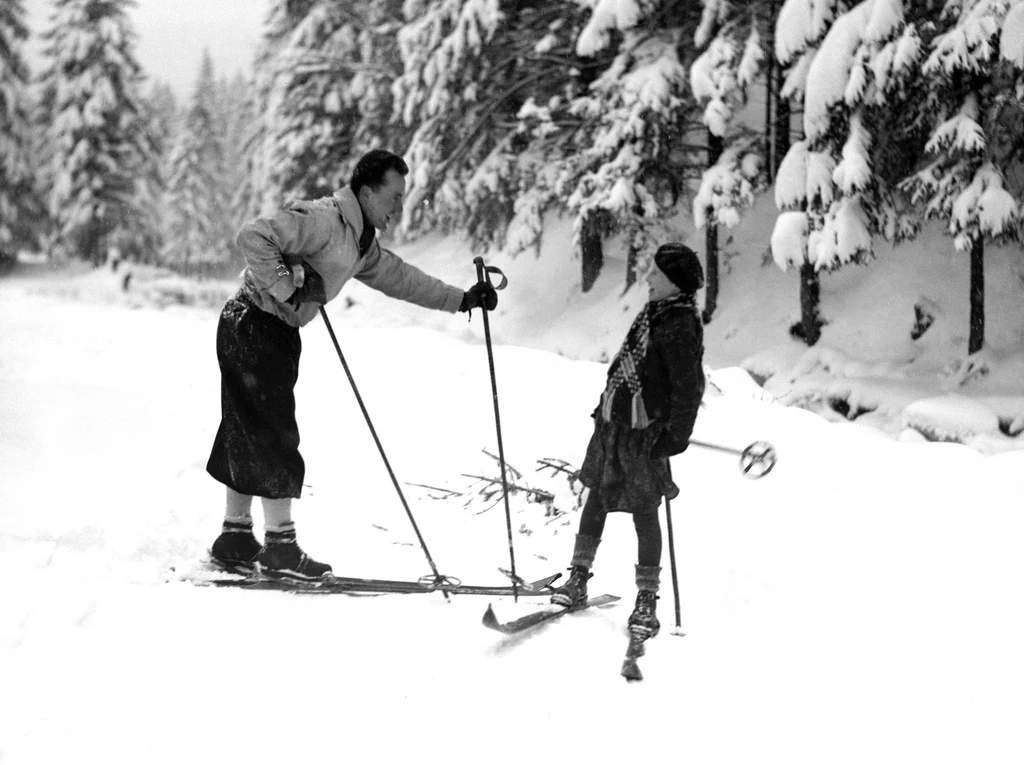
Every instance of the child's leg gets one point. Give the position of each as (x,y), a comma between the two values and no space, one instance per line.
(593,516)
(648,539)
(574,592)
(643,622)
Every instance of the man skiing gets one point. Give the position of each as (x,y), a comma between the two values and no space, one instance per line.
(296,261)
(646,414)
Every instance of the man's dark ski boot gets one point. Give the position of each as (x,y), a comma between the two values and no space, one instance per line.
(643,623)
(281,557)
(236,548)
(573,594)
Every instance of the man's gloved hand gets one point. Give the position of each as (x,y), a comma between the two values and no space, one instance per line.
(309,286)
(480,295)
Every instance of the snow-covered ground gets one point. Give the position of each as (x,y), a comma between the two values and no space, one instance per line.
(859,604)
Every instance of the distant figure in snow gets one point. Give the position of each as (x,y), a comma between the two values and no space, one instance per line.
(646,414)
(296,261)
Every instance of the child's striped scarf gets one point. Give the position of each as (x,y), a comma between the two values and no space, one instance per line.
(623,369)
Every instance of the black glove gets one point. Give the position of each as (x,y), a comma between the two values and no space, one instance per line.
(311,291)
(480,295)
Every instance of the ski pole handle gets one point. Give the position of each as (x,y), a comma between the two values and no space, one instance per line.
(483,273)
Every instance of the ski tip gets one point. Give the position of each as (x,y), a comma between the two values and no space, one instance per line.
(490,620)
(631,671)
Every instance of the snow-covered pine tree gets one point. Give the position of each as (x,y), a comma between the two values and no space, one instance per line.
(321,98)
(523,128)
(971,178)
(470,66)
(632,162)
(18,201)
(853,70)
(311,119)
(371,77)
(142,237)
(254,198)
(234,116)
(196,228)
(611,140)
(96,137)
(732,58)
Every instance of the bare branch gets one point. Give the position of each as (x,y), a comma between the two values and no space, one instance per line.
(540,494)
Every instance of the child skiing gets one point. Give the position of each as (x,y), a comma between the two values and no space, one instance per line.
(646,414)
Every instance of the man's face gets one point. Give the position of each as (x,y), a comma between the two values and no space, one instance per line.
(383,206)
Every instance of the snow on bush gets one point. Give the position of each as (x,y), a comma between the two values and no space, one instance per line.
(853,174)
(830,70)
(986,201)
(845,237)
(789,239)
(950,418)
(791,178)
(727,187)
(606,17)
(1011,39)
(799,23)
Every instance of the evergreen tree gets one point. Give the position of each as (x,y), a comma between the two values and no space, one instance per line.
(853,71)
(322,97)
(458,93)
(311,119)
(196,227)
(18,202)
(631,157)
(719,78)
(143,239)
(631,164)
(235,115)
(486,157)
(96,136)
(976,97)
(522,108)
(254,197)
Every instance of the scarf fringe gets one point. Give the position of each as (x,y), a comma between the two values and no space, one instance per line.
(639,411)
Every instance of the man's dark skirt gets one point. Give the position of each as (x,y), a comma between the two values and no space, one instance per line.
(256,450)
(617,465)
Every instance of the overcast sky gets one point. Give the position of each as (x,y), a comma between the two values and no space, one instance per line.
(173,33)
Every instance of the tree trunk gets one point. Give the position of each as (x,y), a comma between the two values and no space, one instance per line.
(810,299)
(977,338)
(782,140)
(770,96)
(711,271)
(632,266)
(592,249)
(715,146)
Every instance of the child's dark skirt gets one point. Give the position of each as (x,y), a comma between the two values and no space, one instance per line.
(617,464)
(256,450)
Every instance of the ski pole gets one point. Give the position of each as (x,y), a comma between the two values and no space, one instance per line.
(756,461)
(672,560)
(482,276)
(439,580)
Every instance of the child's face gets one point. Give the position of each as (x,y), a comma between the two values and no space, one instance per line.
(658,285)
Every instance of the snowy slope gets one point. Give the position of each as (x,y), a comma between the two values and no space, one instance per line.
(865,365)
(855,605)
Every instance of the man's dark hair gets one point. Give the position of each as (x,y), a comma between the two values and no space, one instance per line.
(373,166)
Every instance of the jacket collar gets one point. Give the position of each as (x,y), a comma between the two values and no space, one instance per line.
(349,209)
